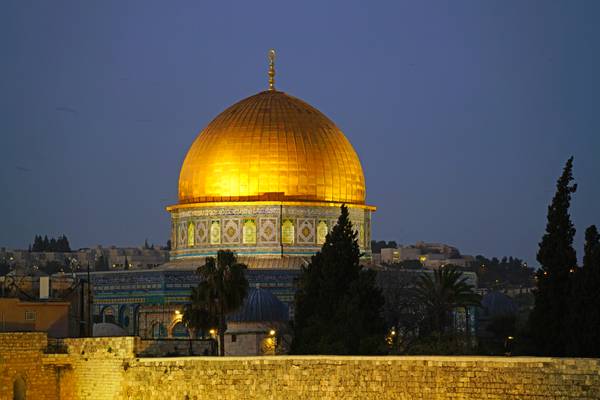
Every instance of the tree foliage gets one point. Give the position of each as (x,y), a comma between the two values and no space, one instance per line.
(338,306)
(497,273)
(4,268)
(584,313)
(221,292)
(440,293)
(548,321)
(58,245)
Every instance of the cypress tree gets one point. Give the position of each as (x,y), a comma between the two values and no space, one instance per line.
(548,322)
(591,250)
(45,244)
(585,301)
(338,306)
(37,244)
(66,246)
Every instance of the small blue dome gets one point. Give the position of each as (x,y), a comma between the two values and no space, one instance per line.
(260,305)
(497,303)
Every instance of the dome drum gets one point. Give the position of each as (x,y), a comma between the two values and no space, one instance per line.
(260,230)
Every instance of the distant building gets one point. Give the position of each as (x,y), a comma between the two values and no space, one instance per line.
(396,255)
(54,304)
(35,316)
(259,327)
(98,258)
(431,255)
(146,302)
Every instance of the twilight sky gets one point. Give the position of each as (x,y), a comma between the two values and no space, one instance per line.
(462,112)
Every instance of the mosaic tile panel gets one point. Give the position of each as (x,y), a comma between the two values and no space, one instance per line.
(268,231)
(306,231)
(231,231)
(201,232)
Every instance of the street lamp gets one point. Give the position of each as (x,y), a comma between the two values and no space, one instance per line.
(508,345)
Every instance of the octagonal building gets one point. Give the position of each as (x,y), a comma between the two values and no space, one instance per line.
(266,179)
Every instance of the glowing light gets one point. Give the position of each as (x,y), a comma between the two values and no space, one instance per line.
(190,235)
(249,232)
(287,232)
(272,332)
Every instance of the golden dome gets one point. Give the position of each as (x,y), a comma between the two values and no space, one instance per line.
(271,146)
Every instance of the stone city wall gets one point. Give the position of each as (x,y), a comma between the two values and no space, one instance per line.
(21,357)
(108,368)
(330,377)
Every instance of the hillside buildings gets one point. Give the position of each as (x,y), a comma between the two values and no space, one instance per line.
(430,255)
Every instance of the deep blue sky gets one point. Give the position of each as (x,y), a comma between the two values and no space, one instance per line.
(462,112)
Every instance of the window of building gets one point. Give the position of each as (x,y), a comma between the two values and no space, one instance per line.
(159,330)
(124,316)
(108,315)
(180,330)
(190,234)
(233,338)
(215,232)
(19,389)
(30,315)
(287,232)
(249,231)
(361,235)
(321,232)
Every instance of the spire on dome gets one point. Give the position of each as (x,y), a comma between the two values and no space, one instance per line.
(272,69)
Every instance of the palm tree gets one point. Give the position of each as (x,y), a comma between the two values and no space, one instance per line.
(441,293)
(221,292)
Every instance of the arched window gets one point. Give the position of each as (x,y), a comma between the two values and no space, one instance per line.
(249,232)
(190,234)
(158,330)
(125,316)
(361,235)
(287,232)
(180,330)
(136,321)
(322,232)
(173,235)
(215,232)
(19,389)
(108,315)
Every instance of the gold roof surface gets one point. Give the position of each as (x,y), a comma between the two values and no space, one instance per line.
(271,146)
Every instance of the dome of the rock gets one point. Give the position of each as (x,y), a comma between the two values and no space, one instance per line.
(266,179)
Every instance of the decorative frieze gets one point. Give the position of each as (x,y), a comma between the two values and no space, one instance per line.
(255,230)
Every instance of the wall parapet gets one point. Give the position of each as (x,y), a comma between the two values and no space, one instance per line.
(365,377)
